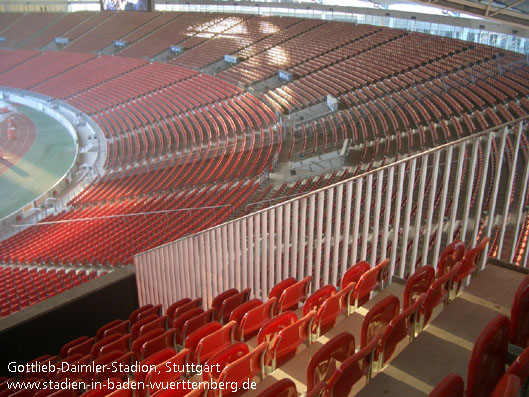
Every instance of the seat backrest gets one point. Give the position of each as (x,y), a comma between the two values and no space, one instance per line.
(140,341)
(136,327)
(96,347)
(158,343)
(293,294)
(134,315)
(166,372)
(153,360)
(278,289)
(400,327)
(196,322)
(324,362)
(488,358)
(316,299)
(282,388)
(213,343)
(71,373)
(179,322)
(217,301)
(172,308)
(378,318)
(255,318)
(194,337)
(317,391)
(438,292)
(159,322)
(272,327)
(353,274)
(452,254)
(238,313)
(116,367)
(84,347)
(245,368)
(519,331)
(352,370)
(72,343)
(147,312)
(101,331)
(220,360)
(329,311)
(508,386)
(520,366)
(121,328)
(469,261)
(450,386)
(122,345)
(417,284)
(231,303)
(368,282)
(186,306)
(285,344)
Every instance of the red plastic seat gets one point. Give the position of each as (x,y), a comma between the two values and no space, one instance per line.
(369,281)
(353,274)
(147,312)
(508,386)
(122,344)
(451,386)
(167,371)
(134,315)
(231,303)
(400,327)
(214,342)
(196,322)
(239,370)
(520,366)
(194,338)
(179,322)
(378,318)
(96,347)
(438,292)
(317,391)
(75,342)
(285,342)
(159,322)
(488,358)
(155,359)
(100,332)
(282,388)
(120,328)
(452,254)
(71,374)
(255,318)
(187,306)
(136,327)
(469,261)
(157,343)
(226,356)
(172,308)
(328,312)
(315,300)
(83,348)
(418,284)
(519,330)
(112,366)
(217,301)
(104,388)
(324,362)
(352,370)
(291,295)
(238,313)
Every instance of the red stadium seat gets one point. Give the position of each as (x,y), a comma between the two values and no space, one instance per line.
(291,295)
(186,306)
(135,329)
(508,386)
(469,261)
(231,303)
(156,343)
(96,347)
(148,311)
(214,342)
(83,348)
(519,330)
(137,344)
(67,346)
(196,322)
(353,274)
(122,344)
(282,388)
(172,308)
(328,312)
(217,301)
(315,300)
(520,366)
(438,293)
(324,362)
(166,372)
(195,337)
(451,386)
(378,318)
(488,358)
(179,322)
(255,318)
(101,331)
(368,282)
(121,328)
(452,254)
(104,389)
(400,327)
(115,363)
(134,315)
(284,340)
(417,284)
(237,370)
(352,370)
(155,359)
(226,356)
(238,313)
(317,391)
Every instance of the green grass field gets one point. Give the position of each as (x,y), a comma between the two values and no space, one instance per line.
(41,167)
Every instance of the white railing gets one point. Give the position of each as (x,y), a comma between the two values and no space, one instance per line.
(406,211)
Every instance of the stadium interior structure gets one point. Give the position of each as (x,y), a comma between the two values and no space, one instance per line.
(262,186)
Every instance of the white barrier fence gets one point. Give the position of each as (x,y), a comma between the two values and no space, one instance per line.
(406,211)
